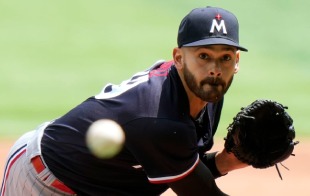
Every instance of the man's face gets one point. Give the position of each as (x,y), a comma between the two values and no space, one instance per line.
(208,70)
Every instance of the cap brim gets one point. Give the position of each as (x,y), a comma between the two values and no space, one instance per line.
(215,41)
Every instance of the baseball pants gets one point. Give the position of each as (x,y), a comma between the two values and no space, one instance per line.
(26,174)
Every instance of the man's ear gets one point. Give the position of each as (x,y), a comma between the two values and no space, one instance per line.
(177,57)
(237,62)
(236,68)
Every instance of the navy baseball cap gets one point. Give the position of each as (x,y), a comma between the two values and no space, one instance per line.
(209,26)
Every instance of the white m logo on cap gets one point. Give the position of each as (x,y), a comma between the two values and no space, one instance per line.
(218,26)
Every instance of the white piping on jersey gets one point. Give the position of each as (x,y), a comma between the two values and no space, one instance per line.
(173,178)
(137,166)
(135,80)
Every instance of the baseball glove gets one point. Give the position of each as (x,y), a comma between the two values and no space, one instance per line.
(261,134)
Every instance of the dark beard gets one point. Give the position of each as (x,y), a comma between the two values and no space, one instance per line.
(213,95)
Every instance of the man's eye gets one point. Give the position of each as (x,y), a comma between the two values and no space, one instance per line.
(203,56)
(226,58)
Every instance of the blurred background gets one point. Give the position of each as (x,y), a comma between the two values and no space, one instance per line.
(54,54)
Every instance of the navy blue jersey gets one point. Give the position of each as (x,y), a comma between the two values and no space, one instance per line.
(163,143)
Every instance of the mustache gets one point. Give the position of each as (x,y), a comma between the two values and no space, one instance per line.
(214,81)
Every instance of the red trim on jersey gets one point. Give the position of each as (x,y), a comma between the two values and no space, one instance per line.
(12,160)
(169,179)
(162,70)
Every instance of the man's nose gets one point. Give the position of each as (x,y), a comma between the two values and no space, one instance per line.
(215,70)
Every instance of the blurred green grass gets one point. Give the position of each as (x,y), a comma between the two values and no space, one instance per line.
(55,54)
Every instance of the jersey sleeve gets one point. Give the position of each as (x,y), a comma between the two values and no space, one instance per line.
(166,149)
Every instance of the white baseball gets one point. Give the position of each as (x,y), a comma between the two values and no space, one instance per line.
(105,138)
